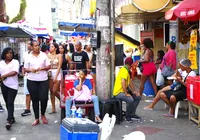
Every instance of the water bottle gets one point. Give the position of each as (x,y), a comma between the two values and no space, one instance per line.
(73,110)
(79,112)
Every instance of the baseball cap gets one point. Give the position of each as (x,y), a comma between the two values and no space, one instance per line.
(129,61)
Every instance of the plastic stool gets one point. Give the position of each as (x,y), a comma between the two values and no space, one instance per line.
(148,89)
(119,105)
(178,104)
(115,104)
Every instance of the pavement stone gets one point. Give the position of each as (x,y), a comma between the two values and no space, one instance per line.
(153,124)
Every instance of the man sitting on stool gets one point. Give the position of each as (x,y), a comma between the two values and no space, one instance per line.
(122,83)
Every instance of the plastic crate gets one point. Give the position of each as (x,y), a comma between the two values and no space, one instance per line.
(193,89)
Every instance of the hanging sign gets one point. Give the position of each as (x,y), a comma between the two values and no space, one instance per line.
(193,49)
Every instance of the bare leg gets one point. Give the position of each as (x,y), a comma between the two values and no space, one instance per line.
(152,80)
(56,89)
(52,97)
(173,103)
(142,82)
(28,101)
(164,98)
(53,103)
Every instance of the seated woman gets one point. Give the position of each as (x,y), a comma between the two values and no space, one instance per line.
(78,84)
(169,87)
(171,97)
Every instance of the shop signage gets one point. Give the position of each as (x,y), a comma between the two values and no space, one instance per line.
(193,49)
(150,5)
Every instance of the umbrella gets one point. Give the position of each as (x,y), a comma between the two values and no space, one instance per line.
(70,33)
(80,26)
(9,30)
(187,10)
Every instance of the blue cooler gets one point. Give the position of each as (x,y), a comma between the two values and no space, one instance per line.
(148,89)
(78,129)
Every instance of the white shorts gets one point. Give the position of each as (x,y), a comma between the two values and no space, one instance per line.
(26,92)
(53,74)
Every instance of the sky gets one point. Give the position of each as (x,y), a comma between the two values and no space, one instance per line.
(37,11)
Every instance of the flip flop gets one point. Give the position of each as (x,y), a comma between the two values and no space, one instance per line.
(52,112)
(168,115)
(148,108)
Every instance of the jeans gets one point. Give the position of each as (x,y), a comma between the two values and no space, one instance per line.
(131,103)
(94,99)
(9,98)
(39,93)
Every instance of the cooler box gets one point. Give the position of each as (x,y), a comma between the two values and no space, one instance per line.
(193,89)
(78,129)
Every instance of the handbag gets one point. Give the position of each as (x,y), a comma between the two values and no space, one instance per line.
(82,95)
(167,70)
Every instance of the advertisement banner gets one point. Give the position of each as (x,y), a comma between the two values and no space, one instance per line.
(192,49)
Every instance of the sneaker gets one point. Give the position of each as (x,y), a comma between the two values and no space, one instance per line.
(1,109)
(8,125)
(128,120)
(135,117)
(26,112)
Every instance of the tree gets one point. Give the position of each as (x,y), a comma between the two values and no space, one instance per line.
(21,14)
(2,11)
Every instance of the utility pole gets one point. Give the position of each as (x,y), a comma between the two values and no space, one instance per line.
(103,62)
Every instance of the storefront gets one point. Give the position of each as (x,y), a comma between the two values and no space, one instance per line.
(187,13)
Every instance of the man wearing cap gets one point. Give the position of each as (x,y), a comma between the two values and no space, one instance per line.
(80,58)
(122,82)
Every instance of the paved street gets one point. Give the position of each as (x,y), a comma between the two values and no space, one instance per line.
(153,124)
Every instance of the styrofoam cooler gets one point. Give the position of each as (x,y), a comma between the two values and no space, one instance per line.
(193,89)
(78,129)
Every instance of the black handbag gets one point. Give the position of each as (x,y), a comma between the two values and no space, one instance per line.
(140,66)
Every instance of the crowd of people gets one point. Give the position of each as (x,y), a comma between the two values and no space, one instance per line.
(45,66)
(171,92)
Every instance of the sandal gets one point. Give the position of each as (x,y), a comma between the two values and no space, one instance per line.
(52,112)
(44,120)
(146,108)
(98,120)
(36,122)
(168,115)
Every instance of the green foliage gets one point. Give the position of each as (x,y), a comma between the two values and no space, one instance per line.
(21,14)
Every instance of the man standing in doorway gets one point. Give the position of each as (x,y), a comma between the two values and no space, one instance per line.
(80,57)
(26,92)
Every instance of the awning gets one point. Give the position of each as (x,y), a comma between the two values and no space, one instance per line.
(70,33)
(187,10)
(132,14)
(78,26)
(13,30)
(126,40)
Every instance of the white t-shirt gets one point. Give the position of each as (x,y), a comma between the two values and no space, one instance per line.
(34,62)
(11,82)
(185,74)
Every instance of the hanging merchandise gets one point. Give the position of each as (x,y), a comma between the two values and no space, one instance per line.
(193,49)
(92,7)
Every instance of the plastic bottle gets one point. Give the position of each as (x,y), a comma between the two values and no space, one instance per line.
(79,112)
(73,109)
